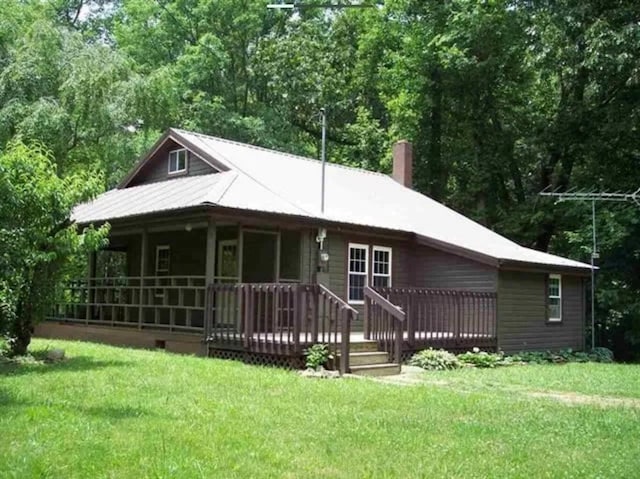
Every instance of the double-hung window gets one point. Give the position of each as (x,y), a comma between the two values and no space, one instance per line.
(357,274)
(381,276)
(177,161)
(554,301)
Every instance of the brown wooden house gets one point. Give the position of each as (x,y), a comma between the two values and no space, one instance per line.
(220,248)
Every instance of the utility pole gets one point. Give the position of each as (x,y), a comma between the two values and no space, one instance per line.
(593,197)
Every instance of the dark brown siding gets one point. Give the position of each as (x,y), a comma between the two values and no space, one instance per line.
(157,168)
(437,269)
(522,313)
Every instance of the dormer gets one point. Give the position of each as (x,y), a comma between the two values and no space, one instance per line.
(172,157)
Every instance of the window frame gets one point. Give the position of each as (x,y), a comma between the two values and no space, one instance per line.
(186,161)
(385,249)
(550,277)
(358,273)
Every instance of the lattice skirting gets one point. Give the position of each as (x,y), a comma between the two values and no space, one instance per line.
(287,362)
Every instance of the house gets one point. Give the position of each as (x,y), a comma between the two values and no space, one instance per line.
(223,249)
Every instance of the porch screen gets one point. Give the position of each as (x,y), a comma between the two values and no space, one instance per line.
(358,259)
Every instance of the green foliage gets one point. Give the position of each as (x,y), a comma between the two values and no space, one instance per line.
(37,237)
(597,355)
(435,360)
(482,359)
(317,355)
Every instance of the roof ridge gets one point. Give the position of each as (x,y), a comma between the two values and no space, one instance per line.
(284,153)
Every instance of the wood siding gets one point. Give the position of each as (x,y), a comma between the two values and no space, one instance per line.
(522,313)
(157,168)
(437,269)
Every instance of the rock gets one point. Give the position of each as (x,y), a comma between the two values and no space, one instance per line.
(319,373)
(55,355)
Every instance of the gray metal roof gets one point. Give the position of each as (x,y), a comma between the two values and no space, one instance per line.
(269,181)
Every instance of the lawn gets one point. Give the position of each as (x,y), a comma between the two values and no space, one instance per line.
(111,412)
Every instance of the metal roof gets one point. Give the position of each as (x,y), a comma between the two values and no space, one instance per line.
(269,181)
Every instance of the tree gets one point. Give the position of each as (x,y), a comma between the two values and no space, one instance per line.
(38,239)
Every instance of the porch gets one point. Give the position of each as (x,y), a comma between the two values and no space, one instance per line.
(276,322)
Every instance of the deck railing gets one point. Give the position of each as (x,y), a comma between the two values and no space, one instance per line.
(384,323)
(447,317)
(175,303)
(277,318)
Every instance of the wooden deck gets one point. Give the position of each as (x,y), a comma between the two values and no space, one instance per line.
(280,319)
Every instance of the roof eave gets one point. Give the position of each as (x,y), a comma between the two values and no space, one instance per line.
(514,265)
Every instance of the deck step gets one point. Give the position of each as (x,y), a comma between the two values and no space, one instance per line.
(385,369)
(363,346)
(367,357)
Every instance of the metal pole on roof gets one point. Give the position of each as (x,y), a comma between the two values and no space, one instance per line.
(323,156)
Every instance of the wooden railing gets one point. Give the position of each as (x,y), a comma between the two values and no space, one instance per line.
(384,323)
(175,303)
(446,317)
(277,318)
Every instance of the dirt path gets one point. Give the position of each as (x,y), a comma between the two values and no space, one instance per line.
(414,376)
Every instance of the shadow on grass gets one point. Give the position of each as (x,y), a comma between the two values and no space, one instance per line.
(74,363)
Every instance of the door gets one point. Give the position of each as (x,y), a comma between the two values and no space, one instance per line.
(227,315)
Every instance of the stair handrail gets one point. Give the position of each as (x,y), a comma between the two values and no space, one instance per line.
(349,315)
(395,312)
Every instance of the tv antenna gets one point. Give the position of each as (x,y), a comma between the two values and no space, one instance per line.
(593,197)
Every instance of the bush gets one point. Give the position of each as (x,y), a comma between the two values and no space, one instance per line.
(482,359)
(317,355)
(597,355)
(435,360)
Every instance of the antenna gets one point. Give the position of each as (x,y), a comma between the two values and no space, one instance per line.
(572,195)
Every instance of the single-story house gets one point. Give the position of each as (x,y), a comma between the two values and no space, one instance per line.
(231,250)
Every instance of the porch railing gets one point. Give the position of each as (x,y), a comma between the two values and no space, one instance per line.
(277,318)
(446,317)
(175,303)
(384,323)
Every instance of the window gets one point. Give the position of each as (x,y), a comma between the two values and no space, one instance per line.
(554,285)
(163,260)
(381,267)
(357,280)
(177,161)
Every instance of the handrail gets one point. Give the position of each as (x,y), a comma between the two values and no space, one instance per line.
(384,303)
(389,334)
(335,297)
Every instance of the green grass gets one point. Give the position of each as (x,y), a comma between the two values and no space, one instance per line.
(110,412)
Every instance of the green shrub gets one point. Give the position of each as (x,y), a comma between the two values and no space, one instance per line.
(317,355)
(435,360)
(482,359)
(601,355)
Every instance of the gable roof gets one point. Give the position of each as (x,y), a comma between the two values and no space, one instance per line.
(262,180)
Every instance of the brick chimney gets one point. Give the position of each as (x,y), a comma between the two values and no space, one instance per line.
(403,163)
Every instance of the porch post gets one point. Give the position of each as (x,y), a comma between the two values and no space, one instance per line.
(91,294)
(240,252)
(278,252)
(210,272)
(144,239)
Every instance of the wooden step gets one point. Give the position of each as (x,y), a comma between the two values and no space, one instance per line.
(365,357)
(385,369)
(363,346)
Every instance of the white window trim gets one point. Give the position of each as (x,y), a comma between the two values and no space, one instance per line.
(186,161)
(365,247)
(373,258)
(559,278)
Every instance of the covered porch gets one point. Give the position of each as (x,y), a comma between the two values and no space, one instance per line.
(252,291)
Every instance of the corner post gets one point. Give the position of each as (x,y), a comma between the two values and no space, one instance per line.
(91,294)
(144,240)
(210,264)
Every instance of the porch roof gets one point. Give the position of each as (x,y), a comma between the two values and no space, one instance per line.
(269,181)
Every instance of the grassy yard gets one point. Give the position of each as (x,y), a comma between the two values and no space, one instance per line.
(110,412)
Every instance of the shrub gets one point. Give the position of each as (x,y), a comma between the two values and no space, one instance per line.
(435,360)
(482,359)
(317,355)
(601,355)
